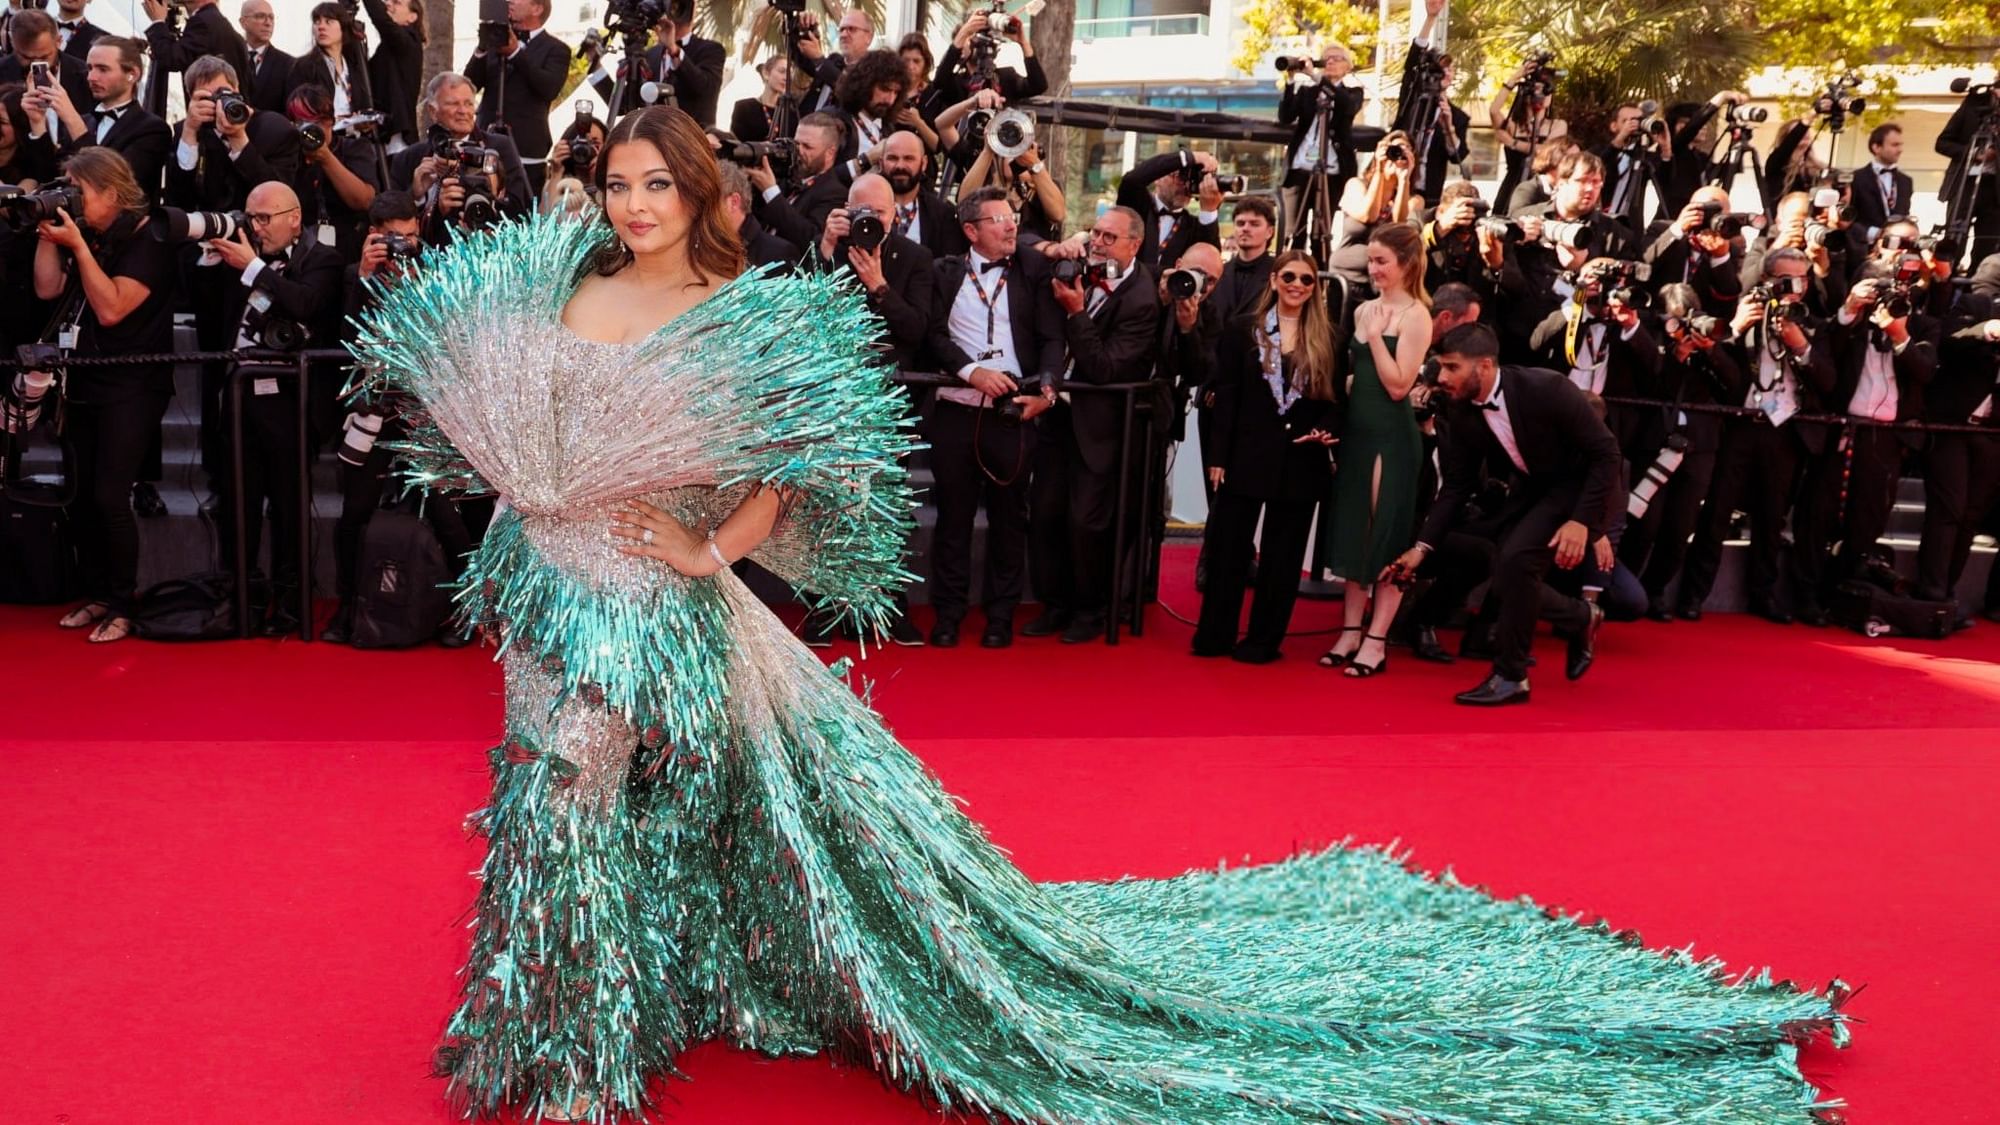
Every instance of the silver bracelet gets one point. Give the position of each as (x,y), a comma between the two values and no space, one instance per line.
(716,553)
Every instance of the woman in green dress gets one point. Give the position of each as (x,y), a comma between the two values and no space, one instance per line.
(1375,496)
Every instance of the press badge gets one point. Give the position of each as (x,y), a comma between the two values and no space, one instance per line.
(1779,409)
(263,386)
(66,339)
(326,234)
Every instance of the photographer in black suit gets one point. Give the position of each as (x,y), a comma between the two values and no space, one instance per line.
(270,70)
(299,284)
(532,66)
(1692,251)
(1884,349)
(1961,470)
(1111,328)
(760,246)
(1540,287)
(998,329)
(1299,107)
(1980,206)
(338,173)
(32,35)
(1158,190)
(797,211)
(680,61)
(206,33)
(1566,485)
(895,273)
(395,70)
(435,181)
(922,215)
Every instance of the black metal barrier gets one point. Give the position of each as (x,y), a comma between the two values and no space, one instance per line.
(1133,615)
(1842,420)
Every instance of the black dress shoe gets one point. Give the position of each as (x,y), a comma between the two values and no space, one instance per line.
(1497,691)
(944,634)
(146,501)
(1583,646)
(1084,627)
(1247,653)
(1202,647)
(1047,623)
(1657,609)
(902,632)
(338,631)
(998,634)
(1424,646)
(280,623)
(1812,613)
(1688,613)
(1770,611)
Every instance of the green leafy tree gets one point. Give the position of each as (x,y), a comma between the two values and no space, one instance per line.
(1266,21)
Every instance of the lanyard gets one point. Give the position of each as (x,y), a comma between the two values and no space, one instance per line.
(972,275)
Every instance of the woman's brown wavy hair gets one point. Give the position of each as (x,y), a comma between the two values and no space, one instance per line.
(713,248)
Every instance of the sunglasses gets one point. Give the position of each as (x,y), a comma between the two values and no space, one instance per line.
(1290,278)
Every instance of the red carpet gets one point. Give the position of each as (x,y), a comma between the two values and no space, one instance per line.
(235,875)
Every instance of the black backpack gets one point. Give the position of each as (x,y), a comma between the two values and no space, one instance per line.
(201,607)
(400,597)
(38,564)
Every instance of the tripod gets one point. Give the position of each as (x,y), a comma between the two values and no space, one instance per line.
(634,72)
(156,78)
(1723,172)
(1964,191)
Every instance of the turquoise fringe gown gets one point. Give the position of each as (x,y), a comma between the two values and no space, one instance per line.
(698,831)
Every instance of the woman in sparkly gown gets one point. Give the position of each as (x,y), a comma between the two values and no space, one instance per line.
(698,831)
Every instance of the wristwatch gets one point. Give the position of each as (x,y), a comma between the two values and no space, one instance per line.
(1037,168)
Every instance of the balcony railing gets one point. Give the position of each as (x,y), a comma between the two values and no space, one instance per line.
(1136,27)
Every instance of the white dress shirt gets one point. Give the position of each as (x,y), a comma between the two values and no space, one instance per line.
(1493,408)
(1875,393)
(969,324)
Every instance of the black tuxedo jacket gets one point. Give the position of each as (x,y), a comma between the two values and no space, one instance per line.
(219,183)
(270,79)
(70,72)
(1250,440)
(747,121)
(1134,192)
(1870,209)
(141,138)
(1114,346)
(81,38)
(308,289)
(798,216)
(906,305)
(535,77)
(1968,371)
(1566,448)
(1955,143)
(207,32)
(825,74)
(395,72)
(1675,259)
(697,80)
(950,76)
(938,229)
(1031,306)
(519,199)
(1299,108)
(1242,286)
(762,248)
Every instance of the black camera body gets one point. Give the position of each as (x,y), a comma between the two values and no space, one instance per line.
(1727,223)
(779,150)
(233,107)
(1185,283)
(402,247)
(24,209)
(1539,84)
(475,173)
(634,18)
(1606,280)
(1092,272)
(1027,386)
(1840,102)
(1697,324)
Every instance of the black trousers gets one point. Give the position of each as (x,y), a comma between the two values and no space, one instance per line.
(270,481)
(1755,470)
(1866,471)
(1658,542)
(1295,203)
(1070,510)
(1961,482)
(970,448)
(110,443)
(1519,568)
(1231,537)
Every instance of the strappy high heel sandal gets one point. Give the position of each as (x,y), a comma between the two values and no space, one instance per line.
(1332,659)
(1362,671)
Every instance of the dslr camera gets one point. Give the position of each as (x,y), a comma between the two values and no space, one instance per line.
(865,229)
(1092,272)
(1606,280)
(779,150)
(1729,224)
(1696,324)
(24,209)
(1185,283)
(401,247)
(582,150)
(476,173)
(233,107)
(1191,176)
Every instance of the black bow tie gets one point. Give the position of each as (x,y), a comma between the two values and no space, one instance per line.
(277,258)
(69,25)
(995,264)
(1493,405)
(113,113)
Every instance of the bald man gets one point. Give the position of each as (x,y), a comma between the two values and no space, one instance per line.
(298,286)
(269,67)
(896,274)
(922,215)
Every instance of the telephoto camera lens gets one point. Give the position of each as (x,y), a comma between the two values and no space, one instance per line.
(1232,185)
(312,138)
(582,152)
(865,229)
(1750,115)
(198,226)
(1182,284)
(1572,236)
(358,438)
(24,210)
(233,107)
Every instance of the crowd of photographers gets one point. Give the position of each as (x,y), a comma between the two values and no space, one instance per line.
(1767,362)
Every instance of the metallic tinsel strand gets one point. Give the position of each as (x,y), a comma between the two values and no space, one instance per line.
(699,831)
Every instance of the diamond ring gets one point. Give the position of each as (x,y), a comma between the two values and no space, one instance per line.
(646,537)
